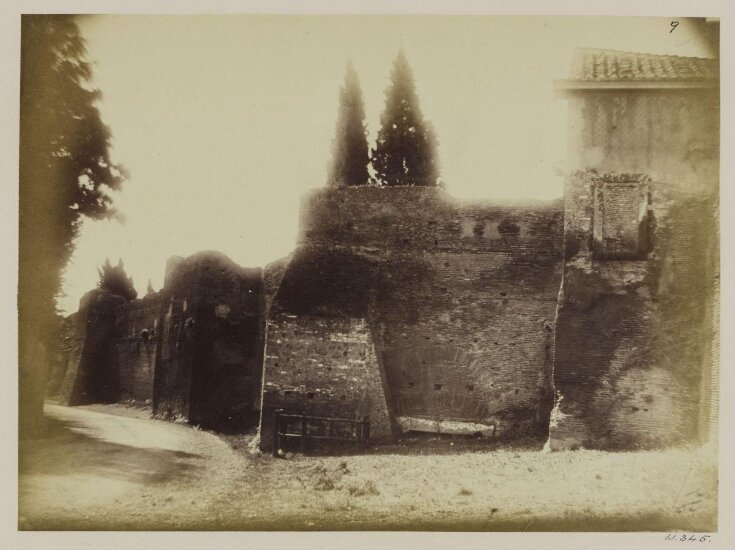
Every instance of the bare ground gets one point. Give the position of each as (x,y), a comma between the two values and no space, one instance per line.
(110,467)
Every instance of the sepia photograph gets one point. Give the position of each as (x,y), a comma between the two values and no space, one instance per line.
(369,272)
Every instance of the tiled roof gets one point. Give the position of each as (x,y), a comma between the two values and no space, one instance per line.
(592,65)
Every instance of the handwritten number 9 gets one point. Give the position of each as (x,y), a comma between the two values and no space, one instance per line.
(674,24)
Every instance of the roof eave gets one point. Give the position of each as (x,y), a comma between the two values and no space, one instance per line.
(569,86)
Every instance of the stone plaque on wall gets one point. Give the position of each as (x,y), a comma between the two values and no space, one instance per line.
(619,220)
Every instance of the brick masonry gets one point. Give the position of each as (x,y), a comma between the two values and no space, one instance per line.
(415,310)
(635,365)
(90,375)
(459,300)
(421,311)
(210,351)
(135,346)
(323,366)
(193,350)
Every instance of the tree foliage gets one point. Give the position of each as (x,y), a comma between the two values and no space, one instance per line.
(115,280)
(405,152)
(65,173)
(65,168)
(350,147)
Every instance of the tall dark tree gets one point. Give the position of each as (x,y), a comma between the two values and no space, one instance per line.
(405,152)
(65,174)
(114,279)
(350,147)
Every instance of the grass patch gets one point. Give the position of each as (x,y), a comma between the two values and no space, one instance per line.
(324,483)
(367,488)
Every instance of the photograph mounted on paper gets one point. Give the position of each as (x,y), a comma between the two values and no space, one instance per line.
(289,272)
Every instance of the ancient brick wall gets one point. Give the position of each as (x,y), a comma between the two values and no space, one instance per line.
(460,299)
(135,360)
(634,336)
(634,360)
(420,219)
(210,348)
(90,375)
(472,341)
(194,349)
(112,350)
(320,355)
(322,366)
(135,346)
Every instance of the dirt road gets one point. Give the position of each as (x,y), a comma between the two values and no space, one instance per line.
(103,471)
(97,470)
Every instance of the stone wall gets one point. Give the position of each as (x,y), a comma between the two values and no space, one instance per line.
(90,375)
(192,350)
(320,357)
(210,348)
(112,350)
(323,366)
(634,336)
(472,341)
(427,313)
(634,360)
(135,346)
(460,301)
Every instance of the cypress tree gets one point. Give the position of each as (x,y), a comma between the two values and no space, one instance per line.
(115,280)
(405,152)
(350,148)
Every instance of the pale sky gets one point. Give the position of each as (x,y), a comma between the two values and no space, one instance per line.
(225,121)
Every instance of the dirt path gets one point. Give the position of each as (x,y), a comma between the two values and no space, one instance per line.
(97,471)
(102,471)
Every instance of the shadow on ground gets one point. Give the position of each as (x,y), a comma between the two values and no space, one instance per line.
(65,450)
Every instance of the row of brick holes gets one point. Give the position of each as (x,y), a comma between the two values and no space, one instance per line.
(469,387)
(437,387)
(310,394)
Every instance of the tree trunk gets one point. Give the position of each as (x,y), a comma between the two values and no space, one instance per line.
(32,375)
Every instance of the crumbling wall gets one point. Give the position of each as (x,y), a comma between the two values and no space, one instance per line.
(91,376)
(194,349)
(209,357)
(112,350)
(135,346)
(460,300)
(472,342)
(320,356)
(322,366)
(634,360)
(634,336)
